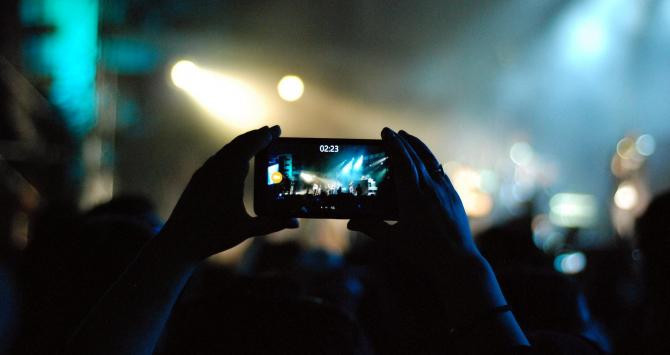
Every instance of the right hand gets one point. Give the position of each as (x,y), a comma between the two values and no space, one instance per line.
(433,233)
(432,219)
(210,216)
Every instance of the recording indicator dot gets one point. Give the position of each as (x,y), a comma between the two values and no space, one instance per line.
(276,177)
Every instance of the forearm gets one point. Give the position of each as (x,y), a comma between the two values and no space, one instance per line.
(131,315)
(472,307)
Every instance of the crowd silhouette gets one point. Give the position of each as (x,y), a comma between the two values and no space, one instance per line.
(116,280)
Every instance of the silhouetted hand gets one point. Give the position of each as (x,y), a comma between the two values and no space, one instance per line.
(433,233)
(432,220)
(210,216)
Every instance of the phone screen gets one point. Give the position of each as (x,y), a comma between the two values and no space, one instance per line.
(324,178)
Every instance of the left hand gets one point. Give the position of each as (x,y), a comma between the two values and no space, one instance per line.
(210,216)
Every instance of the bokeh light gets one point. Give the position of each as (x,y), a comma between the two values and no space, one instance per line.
(573,210)
(469,183)
(570,263)
(626,148)
(645,145)
(290,88)
(521,153)
(626,196)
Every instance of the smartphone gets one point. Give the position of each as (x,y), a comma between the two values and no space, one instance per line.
(324,178)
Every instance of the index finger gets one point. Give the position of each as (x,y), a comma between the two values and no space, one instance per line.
(430,161)
(247,145)
(404,171)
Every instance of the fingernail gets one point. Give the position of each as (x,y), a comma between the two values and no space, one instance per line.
(275,131)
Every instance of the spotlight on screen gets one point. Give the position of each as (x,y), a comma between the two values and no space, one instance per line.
(223,96)
(290,88)
(359,163)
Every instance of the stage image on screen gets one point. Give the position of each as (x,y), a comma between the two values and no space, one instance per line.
(329,179)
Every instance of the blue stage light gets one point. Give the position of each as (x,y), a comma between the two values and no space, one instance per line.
(359,163)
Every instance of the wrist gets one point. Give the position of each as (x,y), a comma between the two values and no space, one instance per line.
(469,289)
(168,246)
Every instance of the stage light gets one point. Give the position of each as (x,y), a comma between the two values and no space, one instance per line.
(521,153)
(570,263)
(223,96)
(308,178)
(359,163)
(573,210)
(645,145)
(183,72)
(290,88)
(626,196)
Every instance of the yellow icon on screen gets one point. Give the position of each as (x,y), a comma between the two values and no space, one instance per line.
(276,177)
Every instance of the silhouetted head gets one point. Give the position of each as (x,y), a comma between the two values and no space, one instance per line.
(71,261)
(8,206)
(543,299)
(242,320)
(108,238)
(511,245)
(653,240)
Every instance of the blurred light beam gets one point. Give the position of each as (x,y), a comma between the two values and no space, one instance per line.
(223,96)
(359,163)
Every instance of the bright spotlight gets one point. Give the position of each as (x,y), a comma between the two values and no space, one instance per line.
(570,263)
(290,88)
(183,73)
(626,196)
(222,96)
(359,163)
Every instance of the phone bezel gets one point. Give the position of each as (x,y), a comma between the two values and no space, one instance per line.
(262,200)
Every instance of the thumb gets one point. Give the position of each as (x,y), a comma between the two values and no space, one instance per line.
(374,228)
(267,225)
